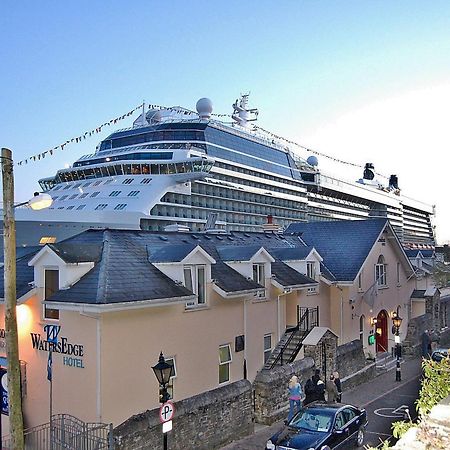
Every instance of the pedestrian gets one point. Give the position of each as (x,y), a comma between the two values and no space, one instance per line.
(309,391)
(319,386)
(332,392)
(425,344)
(295,396)
(337,382)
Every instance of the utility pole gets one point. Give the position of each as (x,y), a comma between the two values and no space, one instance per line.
(10,300)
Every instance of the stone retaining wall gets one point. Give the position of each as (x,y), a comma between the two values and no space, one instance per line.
(206,421)
(270,389)
(412,345)
(350,358)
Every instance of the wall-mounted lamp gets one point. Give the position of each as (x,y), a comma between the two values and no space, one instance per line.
(373,321)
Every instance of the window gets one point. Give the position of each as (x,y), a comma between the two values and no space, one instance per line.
(398,274)
(114,193)
(361,328)
(311,273)
(51,286)
(195,281)
(127,181)
(101,206)
(267,346)
(121,206)
(171,361)
(380,272)
(224,363)
(133,193)
(94,194)
(146,180)
(81,207)
(360,282)
(258,274)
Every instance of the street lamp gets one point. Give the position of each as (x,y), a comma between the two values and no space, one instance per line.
(9,269)
(163,371)
(397,321)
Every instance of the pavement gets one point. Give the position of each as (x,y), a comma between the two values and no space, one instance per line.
(361,396)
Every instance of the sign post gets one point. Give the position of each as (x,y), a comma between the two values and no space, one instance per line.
(166,412)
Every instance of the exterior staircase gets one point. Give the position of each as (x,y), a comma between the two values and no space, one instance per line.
(386,361)
(292,340)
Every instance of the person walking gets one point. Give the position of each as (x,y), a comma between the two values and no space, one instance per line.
(295,396)
(309,391)
(332,392)
(337,382)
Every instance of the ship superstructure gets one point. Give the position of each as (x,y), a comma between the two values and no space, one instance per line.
(179,168)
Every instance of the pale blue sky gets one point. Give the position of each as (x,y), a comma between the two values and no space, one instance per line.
(333,75)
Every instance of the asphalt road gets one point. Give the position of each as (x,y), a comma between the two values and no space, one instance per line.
(388,408)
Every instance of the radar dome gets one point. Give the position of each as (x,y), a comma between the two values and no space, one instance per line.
(204,108)
(312,161)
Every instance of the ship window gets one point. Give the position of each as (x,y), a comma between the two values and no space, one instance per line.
(127,181)
(101,206)
(163,169)
(133,193)
(81,207)
(94,194)
(126,169)
(73,196)
(67,187)
(71,207)
(146,180)
(121,206)
(114,193)
(63,197)
(57,188)
(87,184)
(85,194)
(96,183)
(154,168)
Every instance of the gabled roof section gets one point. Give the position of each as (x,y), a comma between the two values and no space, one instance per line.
(287,277)
(418,293)
(77,253)
(231,281)
(169,253)
(344,245)
(24,276)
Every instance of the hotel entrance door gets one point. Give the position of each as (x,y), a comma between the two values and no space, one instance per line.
(382,332)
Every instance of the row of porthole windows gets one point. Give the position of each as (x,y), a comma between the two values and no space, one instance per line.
(94,194)
(100,206)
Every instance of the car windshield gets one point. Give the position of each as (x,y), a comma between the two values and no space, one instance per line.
(313,420)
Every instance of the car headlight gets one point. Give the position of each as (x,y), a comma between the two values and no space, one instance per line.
(270,445)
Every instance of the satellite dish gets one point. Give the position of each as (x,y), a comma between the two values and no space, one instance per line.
(312,161)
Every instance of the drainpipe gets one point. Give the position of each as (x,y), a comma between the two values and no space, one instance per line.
(245,339)
(341,337)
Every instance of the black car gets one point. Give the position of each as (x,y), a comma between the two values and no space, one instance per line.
(439,354)
(319,426)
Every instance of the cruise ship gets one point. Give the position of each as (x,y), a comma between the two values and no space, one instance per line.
(178,169)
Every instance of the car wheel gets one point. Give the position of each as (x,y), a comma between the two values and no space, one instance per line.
(360,437)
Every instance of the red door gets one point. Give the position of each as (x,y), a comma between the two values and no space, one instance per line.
(382,332)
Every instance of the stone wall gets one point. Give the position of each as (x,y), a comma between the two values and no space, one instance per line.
(350,358)
(271,392)
(329,343)
(206,421)
(412,345)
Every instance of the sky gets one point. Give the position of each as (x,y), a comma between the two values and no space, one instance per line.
(361,81)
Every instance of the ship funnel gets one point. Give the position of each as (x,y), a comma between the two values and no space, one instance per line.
(204,108)
(393,182)
(369,172)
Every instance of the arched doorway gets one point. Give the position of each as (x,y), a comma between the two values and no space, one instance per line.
(382,332)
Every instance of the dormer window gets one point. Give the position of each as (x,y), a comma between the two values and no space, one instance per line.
(195,281)
(258,274)
(311,270)
(380,272)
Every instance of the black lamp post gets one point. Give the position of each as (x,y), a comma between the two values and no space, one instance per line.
(163,372)
(397,320)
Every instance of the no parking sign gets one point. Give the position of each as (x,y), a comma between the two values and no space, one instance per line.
(4,391)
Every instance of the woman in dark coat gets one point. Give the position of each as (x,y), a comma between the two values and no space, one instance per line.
(337,382)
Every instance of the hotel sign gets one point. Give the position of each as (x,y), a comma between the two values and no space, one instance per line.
(73,353)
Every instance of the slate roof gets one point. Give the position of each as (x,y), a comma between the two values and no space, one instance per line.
(343,245)
(237,253)
(418,293)
(291,253)
(24,274)
(229,280)
(78,253)
(169,253)
(288,277)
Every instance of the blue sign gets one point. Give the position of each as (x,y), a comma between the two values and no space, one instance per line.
(4,391)
(52,333)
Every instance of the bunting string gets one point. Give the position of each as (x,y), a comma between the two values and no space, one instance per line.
(186,112)
(77,139)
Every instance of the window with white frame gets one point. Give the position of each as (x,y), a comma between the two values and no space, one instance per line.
(259,277)
(224,363)
(267,346)
(380,272)
(195,281)
(311,273)
(360,282)
(51,286)
(171,361)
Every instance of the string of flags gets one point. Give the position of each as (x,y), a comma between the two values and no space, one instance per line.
(182,111)
(77,139)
